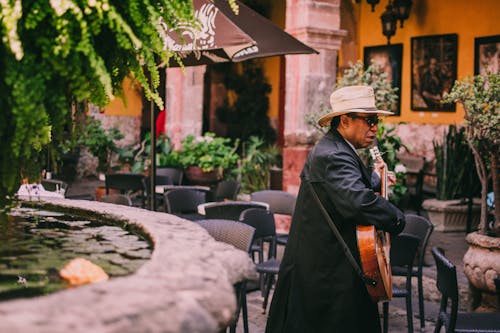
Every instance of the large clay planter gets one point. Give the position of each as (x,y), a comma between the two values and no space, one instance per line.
(481,266)
(196,176)
(451,215)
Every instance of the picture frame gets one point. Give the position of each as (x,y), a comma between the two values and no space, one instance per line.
(433,71)
(389,57)
(487,55)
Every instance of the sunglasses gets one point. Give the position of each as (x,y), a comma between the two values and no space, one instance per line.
(370,120)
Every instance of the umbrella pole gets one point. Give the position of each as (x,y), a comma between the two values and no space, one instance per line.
(152,171)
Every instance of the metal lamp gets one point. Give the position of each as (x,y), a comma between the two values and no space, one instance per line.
(373,3)
(389,21)
(402,9)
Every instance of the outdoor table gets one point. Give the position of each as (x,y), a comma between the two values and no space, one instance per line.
(160,189)
(201,207)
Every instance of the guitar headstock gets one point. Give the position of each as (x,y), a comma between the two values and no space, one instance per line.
(375,154)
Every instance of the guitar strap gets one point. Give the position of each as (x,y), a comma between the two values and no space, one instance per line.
(347,251)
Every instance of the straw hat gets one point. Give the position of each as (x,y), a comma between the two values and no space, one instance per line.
(351,99)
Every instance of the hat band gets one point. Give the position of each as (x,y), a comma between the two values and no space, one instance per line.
(366,103)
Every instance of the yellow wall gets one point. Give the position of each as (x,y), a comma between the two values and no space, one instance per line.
(271,66)
(130,105)
(469,19)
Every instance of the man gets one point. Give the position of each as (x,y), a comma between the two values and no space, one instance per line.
(318,289)
(432,85)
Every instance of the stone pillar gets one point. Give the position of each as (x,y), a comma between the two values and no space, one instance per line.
(309,78)
(184,100)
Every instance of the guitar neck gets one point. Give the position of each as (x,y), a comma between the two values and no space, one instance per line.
(376,156)
(383,181)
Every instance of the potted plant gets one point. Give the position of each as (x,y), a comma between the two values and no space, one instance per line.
(254,167)
(453,208)
(100,142)
(206,158)
(480,97)
(138,157)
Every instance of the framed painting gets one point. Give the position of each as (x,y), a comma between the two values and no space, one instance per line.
(433,71)
(487,55)
(389,58)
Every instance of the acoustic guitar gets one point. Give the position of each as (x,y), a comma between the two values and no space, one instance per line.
(374,247)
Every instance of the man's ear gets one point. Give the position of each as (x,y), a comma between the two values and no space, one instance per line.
(344,121)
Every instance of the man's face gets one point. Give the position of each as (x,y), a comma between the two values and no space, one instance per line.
(358,130)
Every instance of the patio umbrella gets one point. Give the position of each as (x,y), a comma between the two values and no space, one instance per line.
(224,36)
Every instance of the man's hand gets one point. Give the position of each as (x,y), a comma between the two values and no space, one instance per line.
(391,176)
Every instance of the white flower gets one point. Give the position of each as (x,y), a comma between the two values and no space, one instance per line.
(9,16)
(400,168)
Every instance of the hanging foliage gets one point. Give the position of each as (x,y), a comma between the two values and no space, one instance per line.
(58,52)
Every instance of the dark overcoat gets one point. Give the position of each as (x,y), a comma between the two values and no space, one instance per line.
(317,289)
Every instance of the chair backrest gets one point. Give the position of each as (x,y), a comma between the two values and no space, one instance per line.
(227,189)
(229,210)
(448,286)
(54,185)
(175,174)
(183,200)
(159,180)
(265,227)
(118,199)
(262,220)
(125,182)
(280,202)
(422,228)
(235,233)
(403,250)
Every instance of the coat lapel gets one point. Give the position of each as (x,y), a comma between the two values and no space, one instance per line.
(364,170)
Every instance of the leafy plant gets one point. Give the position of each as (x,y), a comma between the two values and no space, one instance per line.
(480,96)
(100,142)
(55,54)
(245,109)
(389,144)
(455,170)
(253,170)
(140,158)
(207,152)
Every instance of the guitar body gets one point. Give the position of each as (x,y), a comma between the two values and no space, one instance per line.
(374,252)
(374,248)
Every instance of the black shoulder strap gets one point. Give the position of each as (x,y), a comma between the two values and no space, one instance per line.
(347,251)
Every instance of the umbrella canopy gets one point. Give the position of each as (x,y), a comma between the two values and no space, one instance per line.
(226,36)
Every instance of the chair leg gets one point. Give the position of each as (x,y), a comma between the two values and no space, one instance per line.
(240,301)
(386,316)
(267,291)
(421,300)
(439,324)
(244,308)
(409,313)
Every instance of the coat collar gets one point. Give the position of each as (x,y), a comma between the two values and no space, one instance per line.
(336,136)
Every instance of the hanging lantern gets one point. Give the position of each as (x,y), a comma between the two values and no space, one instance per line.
(402,10)
(373,3)
(389,21)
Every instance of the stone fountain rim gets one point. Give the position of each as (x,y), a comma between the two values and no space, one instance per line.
(180,289)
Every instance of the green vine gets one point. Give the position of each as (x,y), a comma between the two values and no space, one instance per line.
(57,53)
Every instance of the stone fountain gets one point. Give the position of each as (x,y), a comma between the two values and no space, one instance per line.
(186,286)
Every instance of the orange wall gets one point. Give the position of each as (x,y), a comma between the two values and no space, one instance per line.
(130,105)
(271,66)
(468,19)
